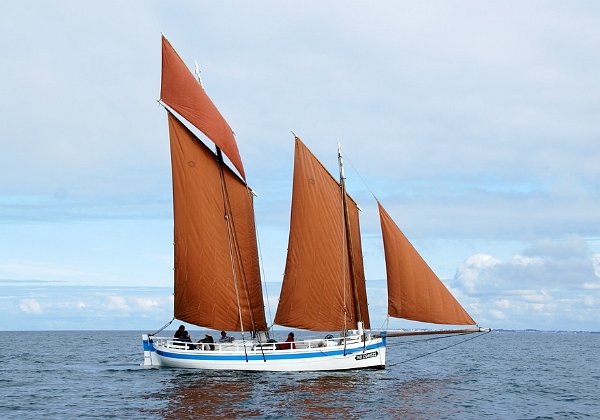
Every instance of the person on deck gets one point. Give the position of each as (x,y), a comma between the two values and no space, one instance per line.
(208,342)
(180,332)
(225,338)
(288,343)
(187,339)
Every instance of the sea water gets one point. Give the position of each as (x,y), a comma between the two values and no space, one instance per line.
(500,375)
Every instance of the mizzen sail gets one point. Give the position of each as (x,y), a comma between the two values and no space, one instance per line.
(317,290)
(180,90)
(414,290)
(217,277)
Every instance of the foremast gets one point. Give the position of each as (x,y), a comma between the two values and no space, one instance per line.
(317,293)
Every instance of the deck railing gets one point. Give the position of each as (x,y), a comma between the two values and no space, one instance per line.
(251,346)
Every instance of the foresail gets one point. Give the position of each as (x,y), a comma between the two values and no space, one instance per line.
(216,263)
(317,291)
(414,291)
(181,91)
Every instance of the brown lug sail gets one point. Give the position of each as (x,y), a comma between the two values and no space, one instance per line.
(359,270)
(317,291)
(215,265)
(414,291)
(181,91)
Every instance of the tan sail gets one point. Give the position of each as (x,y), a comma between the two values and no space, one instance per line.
(216,263)
(414,291)
(317,292)
(181,91)
(359,270)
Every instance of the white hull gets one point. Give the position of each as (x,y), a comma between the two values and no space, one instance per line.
(309,355)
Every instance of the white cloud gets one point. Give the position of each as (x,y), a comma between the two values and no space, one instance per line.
(538,307)
(469,270)
(502,303)
(547,284)
(535,296)
(150,303)
(117,303)
(30,306)
(497,314)
(526,261)
(596,262)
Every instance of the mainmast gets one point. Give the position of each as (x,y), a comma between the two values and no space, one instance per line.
(353,277)
(234,254)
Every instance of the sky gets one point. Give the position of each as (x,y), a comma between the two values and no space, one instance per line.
(474,123)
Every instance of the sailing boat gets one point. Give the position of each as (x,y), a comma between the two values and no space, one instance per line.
(217,282)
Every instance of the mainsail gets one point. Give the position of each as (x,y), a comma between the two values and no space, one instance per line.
(217,277)
(317,292)
(181,91)
(414,291)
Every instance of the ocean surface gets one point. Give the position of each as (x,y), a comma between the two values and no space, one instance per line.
(500,375)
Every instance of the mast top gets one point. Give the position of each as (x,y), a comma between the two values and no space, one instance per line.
(341,163)
(197,70)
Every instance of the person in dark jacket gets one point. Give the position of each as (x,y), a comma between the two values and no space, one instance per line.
(180,332)
(208,339)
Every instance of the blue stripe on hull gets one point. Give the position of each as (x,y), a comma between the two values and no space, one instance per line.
(269,356)
(147,346)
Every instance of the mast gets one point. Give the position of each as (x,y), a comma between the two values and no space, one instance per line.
(349,241)
(217,274)
(315,294)
(231,236)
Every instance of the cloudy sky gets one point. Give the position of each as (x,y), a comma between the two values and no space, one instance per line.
(475,123)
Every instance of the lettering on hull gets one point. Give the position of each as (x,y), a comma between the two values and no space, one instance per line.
(366,355)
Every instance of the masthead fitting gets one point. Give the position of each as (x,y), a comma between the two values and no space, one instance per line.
(197,70)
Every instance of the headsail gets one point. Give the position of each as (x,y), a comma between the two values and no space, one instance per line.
(182,92)
(317,291)
(414,291)
(216,256)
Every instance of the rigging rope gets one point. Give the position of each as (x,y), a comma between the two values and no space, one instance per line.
(435,351)
(360,176)
(165,326)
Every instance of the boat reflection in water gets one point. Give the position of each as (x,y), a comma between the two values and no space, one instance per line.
(190,394)
(242,394)
(302,395)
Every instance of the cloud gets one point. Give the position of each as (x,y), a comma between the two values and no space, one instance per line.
(145,303)
(497,314)
(134,304)
(30,306)
(561,286)
(470,270)
(547,264)
(117,303)
(83,307)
